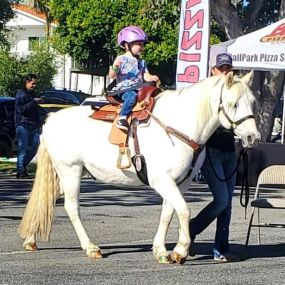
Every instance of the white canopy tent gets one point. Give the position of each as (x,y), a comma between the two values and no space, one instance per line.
(263,49)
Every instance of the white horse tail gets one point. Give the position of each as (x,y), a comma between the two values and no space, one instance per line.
(38,216)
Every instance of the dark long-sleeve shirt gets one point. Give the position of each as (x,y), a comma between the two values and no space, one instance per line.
(222,139)
(26,110)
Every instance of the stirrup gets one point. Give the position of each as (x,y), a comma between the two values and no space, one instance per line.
(126,153)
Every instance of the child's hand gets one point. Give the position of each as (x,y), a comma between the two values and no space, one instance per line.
(114,68)
(148,77)
(117,63)
(154,78)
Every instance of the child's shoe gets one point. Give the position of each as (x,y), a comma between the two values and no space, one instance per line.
(123,124)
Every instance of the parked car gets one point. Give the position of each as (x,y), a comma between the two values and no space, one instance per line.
(8,142)
(64,97)
(95,100)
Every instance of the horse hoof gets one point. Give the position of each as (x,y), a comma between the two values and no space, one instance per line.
(164,259)
(95,254)
(176,258)
(30,247)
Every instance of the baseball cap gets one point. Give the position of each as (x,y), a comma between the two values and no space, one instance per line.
(222,59)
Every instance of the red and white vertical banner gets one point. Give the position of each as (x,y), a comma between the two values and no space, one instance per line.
(193,44)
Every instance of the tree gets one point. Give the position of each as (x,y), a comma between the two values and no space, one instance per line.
(13,69)
(237,19)
(6,13)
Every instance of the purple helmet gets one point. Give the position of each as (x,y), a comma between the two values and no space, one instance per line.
(131,34)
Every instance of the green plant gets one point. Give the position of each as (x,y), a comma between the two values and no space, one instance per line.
(13,69)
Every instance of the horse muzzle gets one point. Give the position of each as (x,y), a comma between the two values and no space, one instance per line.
(251,141)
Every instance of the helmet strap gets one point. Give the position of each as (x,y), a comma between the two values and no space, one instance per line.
(130,50)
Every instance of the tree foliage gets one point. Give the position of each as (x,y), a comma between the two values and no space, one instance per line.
(13,69)
(6,13)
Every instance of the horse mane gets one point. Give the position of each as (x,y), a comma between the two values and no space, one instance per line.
(241,89)
(195,98)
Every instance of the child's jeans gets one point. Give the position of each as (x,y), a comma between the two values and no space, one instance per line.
(130,99)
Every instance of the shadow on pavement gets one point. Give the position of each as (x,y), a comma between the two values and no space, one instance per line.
(14,193)
(245,252)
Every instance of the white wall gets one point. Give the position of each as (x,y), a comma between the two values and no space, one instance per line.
(20,38)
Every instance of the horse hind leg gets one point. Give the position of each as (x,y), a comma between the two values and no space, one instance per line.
(29,243)
(71,187)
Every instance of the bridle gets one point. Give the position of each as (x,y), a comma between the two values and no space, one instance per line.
(233,124)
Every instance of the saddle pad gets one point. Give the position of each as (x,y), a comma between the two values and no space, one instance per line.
(106,113)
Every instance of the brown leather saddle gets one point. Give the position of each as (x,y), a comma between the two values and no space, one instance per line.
(145,100)
(110,113)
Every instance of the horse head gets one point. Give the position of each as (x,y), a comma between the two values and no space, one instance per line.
(236,109)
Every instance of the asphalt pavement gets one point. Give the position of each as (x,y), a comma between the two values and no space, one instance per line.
(123,222)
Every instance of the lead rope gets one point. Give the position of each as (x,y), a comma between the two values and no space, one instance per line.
(245,187)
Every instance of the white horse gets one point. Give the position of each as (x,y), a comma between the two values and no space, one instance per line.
(72,142)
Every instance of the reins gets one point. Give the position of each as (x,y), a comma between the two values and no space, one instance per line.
(171,131)
(245,186)
(243,154)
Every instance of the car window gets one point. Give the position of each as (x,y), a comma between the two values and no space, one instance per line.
(10,108)
(81,96)
(54,100)
(49,94)
(7,111)
(2,113)
(54,97)
(71,99)
(68,97)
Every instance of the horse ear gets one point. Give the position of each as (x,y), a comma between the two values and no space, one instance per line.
(248,77)
(229,79)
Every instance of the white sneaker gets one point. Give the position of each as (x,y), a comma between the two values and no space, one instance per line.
(227,257)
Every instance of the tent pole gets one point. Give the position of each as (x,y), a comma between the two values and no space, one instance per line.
(283,118)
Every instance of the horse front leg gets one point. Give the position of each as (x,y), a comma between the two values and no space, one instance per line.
(169,191)
(159,250)
(71,204)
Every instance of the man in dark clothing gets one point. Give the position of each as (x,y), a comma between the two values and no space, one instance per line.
(220,161)
(27,123)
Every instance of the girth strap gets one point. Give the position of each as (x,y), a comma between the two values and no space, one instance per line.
(138,159)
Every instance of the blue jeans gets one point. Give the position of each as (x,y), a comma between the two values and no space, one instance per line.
(130,100)
(28,142)
(221,207)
